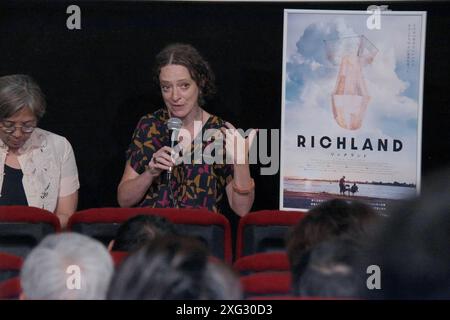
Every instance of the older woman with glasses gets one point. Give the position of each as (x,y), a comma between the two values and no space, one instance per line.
(37,167)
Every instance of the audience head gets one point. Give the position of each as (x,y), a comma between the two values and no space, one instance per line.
(330,220)
(20,91)
(22,104)
(50,271)
(199,69)
(141,229)
(174,268)
(411,247)
(328,270)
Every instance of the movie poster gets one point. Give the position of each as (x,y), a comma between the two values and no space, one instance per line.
(351,107)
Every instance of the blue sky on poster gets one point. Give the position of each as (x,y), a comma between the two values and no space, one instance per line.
(310,79)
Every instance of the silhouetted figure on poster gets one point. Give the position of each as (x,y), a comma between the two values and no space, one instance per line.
(342,185)
(354,189)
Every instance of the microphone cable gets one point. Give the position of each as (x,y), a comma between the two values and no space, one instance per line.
(173,201)
(173,125)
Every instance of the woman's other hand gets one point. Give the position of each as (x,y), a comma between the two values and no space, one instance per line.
(234,144)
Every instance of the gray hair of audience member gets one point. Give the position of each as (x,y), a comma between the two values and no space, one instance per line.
(18,91)
(47,271)
(329,272)
(174,268)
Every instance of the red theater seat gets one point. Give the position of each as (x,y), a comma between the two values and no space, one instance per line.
(267,284)
(22,228)
(289,297)
(264,231)
(9,266)
(118,257)
(10,289)
(262,262)
(211,228)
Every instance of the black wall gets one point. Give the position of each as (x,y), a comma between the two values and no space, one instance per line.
(98,80)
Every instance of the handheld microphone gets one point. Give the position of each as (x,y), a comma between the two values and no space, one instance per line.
(174,125)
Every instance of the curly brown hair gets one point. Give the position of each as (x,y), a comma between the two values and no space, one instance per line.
(186,55)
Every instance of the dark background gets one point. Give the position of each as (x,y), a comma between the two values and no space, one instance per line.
(98,80)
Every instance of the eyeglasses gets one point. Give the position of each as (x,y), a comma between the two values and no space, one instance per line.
(11,128)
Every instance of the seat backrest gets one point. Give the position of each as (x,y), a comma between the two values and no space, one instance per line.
(10,266)
(211,228)
(264,231)
(262,262)
(287,297)
(10,289)
(22,228)
(118,257)
(266,284)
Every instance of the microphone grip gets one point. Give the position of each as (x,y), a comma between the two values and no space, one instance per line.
(173,139)
(169,174)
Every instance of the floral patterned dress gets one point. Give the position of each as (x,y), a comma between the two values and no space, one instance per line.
(194,185)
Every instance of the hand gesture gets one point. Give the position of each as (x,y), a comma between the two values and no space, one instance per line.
(237,147)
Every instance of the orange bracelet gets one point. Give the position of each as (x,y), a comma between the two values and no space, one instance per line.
(244,191)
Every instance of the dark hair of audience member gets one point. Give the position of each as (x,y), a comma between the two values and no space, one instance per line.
(411,248)
(329,220)
(139,230)
(328,270)
(174,268)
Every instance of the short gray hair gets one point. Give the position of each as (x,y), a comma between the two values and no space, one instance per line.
(18,91)
(44,274)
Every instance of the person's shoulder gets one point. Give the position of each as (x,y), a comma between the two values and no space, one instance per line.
(158,116)
(50,139)
(47,135)
(215,122)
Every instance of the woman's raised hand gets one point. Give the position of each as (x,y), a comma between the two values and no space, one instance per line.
(237,147)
